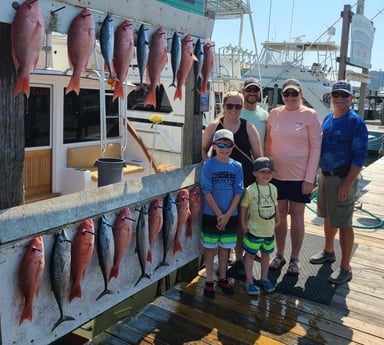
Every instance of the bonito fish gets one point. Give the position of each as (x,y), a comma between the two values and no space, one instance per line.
(30,273)
(81,44)
(142,52)
(107,41)
(60,266)
(175,56)
(142,241)
(27,39)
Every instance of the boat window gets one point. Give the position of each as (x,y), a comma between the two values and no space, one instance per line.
(136,98)
(82,116)
(37,122)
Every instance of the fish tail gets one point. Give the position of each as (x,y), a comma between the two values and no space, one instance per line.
(178,94)
(149,256)
(144,275)
(26,313)
(173,84)
(22,85)
(74,85)
(62,319)
(118,92)
(162,263)
(105,292)
(151,97)
(203,88)
(75,292)
(114,272)
(177,247)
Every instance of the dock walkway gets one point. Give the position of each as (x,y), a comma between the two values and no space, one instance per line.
(355,315)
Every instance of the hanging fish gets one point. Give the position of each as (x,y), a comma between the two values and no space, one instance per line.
(194,207)
(208,64)
(157,59)
(107,41)
(187,58)
(83,245)
(175,56)
(155,219)
(183,212)
(168,230)
(30,273)
(80,44)
(142,241)
(60,267)
(27,39)
(105,252)
(142,52)
(122,233)
(122,56)
(197,65)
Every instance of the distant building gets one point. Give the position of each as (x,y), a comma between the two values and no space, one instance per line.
(377,80)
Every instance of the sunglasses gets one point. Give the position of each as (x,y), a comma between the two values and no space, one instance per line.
(290,93)
(252,89)
(224,145)
(230,106)
(340,94)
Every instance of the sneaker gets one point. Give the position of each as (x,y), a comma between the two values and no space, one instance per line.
(340,276)
(322,257)
(252,289)
(226,287)
(209,290)
(267,285)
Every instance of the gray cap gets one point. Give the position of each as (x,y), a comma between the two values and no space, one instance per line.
(291,84)
(223,134)
(251,82)
(342,85)
(263,163)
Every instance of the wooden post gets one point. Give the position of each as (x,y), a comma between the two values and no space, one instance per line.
(346,14)
(363,85)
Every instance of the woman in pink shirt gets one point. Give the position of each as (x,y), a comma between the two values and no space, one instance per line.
(293,141)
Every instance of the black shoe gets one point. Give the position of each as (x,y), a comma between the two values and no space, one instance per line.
(322,258)
(226,287)
(209,290)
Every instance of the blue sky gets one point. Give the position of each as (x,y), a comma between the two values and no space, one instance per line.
(292,18)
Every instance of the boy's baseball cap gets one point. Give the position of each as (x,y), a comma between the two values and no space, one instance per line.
(342,85)
(223,134)
(263,163)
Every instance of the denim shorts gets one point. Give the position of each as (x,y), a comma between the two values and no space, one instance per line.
(252,244)
(291,190)
(339,213)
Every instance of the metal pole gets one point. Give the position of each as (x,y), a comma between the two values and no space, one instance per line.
(363,85)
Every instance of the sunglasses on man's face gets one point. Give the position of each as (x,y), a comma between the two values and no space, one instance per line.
(230,106)
(224,145)
(290,93)
(252,89)
(340,94)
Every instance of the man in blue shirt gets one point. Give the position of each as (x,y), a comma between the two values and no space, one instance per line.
(343,151)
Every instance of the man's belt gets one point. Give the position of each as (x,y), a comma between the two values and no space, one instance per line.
(340,172)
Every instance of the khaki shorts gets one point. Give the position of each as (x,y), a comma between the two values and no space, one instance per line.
(338,212)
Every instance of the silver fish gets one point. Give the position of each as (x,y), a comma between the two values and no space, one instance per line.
(142,241)
(60,268)
(107,39)
(175,56)
(105,252)
(142,48)
(168,229)
(197,65)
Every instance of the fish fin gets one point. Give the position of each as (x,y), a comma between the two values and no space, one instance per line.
(118,92)
(114,272)
(151,97)
(173,84)
(26,313)
(22,85)
(144,275)
(177,247)
(203,88)
(149,256)
(163,263)
(194,57)
(62,319)
(178,94)
(74,85)
(75,292)
(105,292)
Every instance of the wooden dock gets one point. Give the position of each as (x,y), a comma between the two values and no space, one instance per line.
(355,315)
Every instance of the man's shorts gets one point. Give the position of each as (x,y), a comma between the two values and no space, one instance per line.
(212,238)
(291,190)
(252,244)
(339,213)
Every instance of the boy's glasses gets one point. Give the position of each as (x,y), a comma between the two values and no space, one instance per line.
(340,94)
(252,89)
(225,145)
(230,106)
(290,93)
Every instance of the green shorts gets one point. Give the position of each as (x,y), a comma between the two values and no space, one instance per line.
(212,238)
(252,244)
(339,213)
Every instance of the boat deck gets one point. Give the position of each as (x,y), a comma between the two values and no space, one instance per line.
(354,316)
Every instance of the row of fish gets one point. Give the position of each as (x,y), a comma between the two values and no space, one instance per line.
(117,48)
(69,259)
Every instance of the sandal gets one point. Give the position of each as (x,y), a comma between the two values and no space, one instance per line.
(293,267)
(277,262)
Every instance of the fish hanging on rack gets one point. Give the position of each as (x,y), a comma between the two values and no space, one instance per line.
(107,41)
(155,221)
(194,207)
(122,56)
(80,44)
(198,64)
(142,52)
(208,64)
(157,59)
(30,274)
(175,56)
(27,40)
(187,58)
(183,213)
(142,241)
